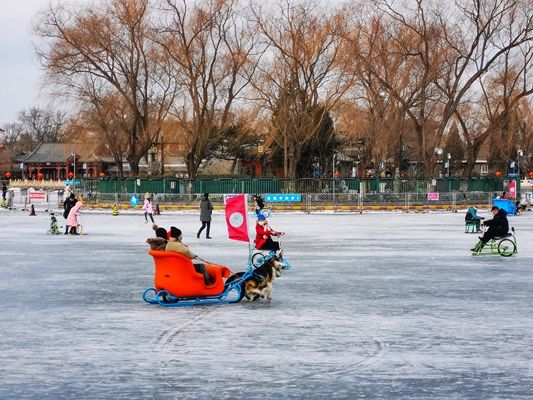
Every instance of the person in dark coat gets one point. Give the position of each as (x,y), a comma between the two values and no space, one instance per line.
(4,190)
(67,205)
(498,226)
(206,209)
(259,203)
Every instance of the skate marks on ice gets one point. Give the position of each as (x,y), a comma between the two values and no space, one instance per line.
(165,338)
(332,347)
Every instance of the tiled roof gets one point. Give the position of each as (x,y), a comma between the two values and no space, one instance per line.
(60,152)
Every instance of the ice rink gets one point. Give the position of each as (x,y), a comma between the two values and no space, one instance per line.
(377,306)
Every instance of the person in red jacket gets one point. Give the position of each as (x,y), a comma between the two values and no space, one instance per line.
(264,233)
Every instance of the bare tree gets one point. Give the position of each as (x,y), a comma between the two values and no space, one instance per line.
(214,55)
(13,138)
(43,125)
(440,58)
(300,74)
(100,51)
(502,90)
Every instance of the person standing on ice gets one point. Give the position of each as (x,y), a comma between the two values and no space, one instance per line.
(72,220)
(148,209)
(67,206)
(206,209)
(259,203)
(67,192)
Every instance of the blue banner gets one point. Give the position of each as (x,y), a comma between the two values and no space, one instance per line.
(283,198)
(135,200)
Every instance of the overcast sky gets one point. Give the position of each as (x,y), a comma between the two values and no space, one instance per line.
(19,70)
(20,73)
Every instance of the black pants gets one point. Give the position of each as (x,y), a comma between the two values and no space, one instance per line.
(491,234)
(270,245)
(204,225)
(151,217)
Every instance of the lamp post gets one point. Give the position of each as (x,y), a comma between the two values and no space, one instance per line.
(439,153)
(74,167)
(519,154)
(333,174)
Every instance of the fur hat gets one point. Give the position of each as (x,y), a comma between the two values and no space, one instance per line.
(161,233)
(174,232)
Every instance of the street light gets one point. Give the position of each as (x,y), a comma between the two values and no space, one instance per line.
(449,156)
(74,169)
(519,154)
(333,175)
(439,153)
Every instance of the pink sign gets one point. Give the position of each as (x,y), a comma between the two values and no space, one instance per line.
(512,189)
(37,196)
(433,196)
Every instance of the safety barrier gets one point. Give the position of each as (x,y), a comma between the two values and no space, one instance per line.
(309,202)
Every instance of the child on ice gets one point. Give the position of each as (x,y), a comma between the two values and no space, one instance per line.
(54,229)
(148,209)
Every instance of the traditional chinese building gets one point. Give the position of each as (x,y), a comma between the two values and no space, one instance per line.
(59,161)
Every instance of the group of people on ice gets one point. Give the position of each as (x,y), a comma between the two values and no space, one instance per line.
(71,210)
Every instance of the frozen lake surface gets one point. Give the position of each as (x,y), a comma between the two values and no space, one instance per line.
(377,306)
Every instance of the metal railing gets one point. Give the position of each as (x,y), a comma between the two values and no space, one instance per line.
(310,202)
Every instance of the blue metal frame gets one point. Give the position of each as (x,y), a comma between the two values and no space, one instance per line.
(235,286)
(264,258)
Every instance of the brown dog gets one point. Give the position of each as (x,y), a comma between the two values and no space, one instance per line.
(259,285)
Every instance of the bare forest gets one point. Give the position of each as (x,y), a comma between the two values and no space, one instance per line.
(394,85)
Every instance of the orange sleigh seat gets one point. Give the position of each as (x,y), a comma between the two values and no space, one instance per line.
(175,273)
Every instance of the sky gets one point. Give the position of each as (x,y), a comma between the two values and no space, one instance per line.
(20,72)
(19,69)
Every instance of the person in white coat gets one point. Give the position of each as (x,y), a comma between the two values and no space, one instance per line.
(148,209)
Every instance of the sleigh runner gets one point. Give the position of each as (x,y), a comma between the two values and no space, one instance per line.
(177,284)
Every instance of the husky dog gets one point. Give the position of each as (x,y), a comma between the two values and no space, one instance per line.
(259,285)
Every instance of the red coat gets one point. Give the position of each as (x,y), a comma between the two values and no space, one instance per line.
(263,233)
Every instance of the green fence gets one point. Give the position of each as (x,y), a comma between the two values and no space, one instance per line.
(273,185)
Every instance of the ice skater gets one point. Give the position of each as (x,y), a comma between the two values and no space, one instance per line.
(148,209)
(206,209)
